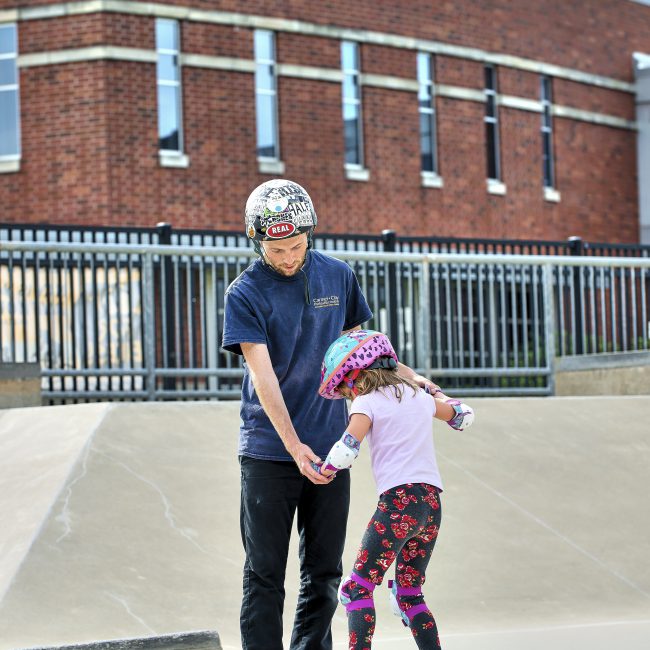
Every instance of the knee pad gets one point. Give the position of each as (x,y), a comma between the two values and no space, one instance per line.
(406,614)
(349,600)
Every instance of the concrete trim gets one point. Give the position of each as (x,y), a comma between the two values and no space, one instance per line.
(604,360)
(110,52)
(200,640)
(173,159)
(356,173)
(9,16)
(431,179)
(309,72)
(313,29)
(497,188)
(268,166)
(9,165)
(520,103)
(95,53)
(217,62)
(392,83)
(593,118)
(551,195)
(642,76)
(460,92)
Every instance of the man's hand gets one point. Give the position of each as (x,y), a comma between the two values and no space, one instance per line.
(427,384)
(304,456)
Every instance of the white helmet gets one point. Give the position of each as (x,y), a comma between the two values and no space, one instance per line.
(279,209)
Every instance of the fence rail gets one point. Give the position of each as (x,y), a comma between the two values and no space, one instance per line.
(144,321)
(387,240)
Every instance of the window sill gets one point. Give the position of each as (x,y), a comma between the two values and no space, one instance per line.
(551,195)
(357,173)
(496,187)
(173,159)
(430,179)
(270,166)
(9,165)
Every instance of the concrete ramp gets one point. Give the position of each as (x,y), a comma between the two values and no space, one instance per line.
(121,521)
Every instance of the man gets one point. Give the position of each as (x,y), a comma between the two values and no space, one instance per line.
(282,313)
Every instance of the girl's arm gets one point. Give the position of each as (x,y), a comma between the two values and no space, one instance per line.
(444,410)
(455,413)
(344,451)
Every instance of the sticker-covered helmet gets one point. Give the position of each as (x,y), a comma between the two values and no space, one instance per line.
(279,209)
(354,351)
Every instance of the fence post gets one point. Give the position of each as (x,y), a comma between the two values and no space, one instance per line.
(167,305)
(549,324)
(424,340)
(149,326)
(389,238)
(576,246)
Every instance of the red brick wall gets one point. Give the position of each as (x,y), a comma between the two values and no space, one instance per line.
(586,35)
(63,175)
(89,130)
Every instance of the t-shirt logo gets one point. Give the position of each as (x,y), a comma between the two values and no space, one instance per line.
(327,301)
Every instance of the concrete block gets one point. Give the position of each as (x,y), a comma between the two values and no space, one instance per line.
(201,640)
(20,385)
(624,373)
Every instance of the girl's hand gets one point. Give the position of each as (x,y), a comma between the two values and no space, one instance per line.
(305,458)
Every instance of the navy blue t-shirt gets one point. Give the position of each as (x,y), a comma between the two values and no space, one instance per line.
(297,318)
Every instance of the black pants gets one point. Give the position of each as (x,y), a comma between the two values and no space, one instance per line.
(271,492)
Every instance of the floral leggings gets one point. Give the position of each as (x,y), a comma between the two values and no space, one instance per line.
(404,528)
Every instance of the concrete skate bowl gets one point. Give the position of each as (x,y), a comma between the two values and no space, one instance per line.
(120,525)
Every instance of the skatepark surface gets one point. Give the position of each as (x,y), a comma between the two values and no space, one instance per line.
(120,520)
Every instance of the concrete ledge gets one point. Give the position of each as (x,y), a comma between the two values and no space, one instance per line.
(20,385)
(201,640)
(618,373)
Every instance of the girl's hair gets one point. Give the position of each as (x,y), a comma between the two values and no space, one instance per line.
(380,378)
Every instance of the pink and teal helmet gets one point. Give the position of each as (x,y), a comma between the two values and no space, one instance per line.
(354,351)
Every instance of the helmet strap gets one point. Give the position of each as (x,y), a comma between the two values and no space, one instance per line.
(349,380)
(385,362)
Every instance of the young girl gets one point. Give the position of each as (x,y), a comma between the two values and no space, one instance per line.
(395,414)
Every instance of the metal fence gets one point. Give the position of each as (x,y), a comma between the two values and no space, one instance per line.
(144,321)
(386,241)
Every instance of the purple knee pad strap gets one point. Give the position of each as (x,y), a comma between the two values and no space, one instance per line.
(411,612)
(364,603)
(355,577)
(414,611)
(405,591)
(361,603)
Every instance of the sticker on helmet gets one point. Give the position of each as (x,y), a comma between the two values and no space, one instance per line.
(280,230)
(277,203)
(251,232)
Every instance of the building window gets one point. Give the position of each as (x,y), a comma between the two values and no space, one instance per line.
(492,125)
(170,120)
(427,110)
(9,95)
(547,133)
(352,104)
(266,95)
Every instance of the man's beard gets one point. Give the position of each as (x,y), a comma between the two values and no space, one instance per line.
(282,271)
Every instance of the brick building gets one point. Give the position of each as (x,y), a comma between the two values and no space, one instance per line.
(500,118)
